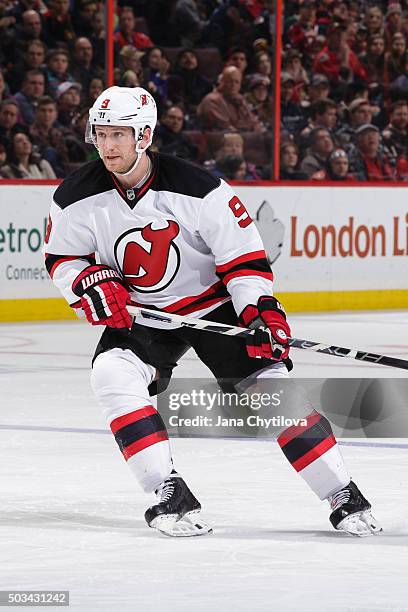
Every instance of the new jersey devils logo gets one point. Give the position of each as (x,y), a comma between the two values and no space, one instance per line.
(148,257)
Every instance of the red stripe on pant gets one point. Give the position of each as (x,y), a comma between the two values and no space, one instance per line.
(145,442)
(138,430)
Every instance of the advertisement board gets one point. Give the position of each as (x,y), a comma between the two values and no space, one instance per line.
(330,248)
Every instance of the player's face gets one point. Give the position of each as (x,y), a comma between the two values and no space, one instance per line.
(116,147)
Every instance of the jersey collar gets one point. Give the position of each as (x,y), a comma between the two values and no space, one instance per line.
(132,196)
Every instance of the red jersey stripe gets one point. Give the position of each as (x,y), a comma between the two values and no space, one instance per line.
(314,453)
(131,417)
(239,273)
(136,447)
(297,430)
(181,304)
(241,259)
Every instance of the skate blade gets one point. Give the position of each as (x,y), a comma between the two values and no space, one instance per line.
(360,524)
(186,527)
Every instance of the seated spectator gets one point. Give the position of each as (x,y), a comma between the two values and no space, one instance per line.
(367,162)
(374,21)
(48,137)
(83,69)
(156,73)
(187,22)
(375,60)
(129,79)
(321,145)
(292,64)
(395,135)
(395,59)
(31,91)
(262,64)
(337,168)
(289,163)
(82,17)
(22,163)
(68,102)
(34,59)
(323,113)
(360,113)
(97,38)
(233,146)
(30,29)
(231,168)
(57,70)
(292,116)
(9,125)
(319,89)
(127,35)
(238,57)
(302,32)
(336,60)
(170,138)
(260,101)
(225,108)
(96,87)
(187,86)
(57,24)
(394,22)
(130,59)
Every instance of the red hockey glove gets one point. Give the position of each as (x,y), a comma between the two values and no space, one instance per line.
(103,296)
(268,319)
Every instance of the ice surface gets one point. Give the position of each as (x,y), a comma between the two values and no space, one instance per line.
(72,517)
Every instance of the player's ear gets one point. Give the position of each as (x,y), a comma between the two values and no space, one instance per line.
(147,132)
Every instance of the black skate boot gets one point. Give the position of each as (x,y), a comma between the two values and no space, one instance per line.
(174,514)
(351,512)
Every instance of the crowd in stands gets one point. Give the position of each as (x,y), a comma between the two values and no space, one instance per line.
(209,65)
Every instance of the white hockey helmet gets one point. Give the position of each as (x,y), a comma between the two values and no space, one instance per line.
(125,107)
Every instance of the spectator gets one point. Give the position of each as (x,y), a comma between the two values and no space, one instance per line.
(394,22)
(188,22)
(375,60)
(367,162)
(320,148)
(292,116)
(289,163)
(263,64)
(97,38)
(260,101)
(336,60)
(323,113)
(83,16)
(58,25)
(233,146)
(395,135)
(48,137)
(187,86)
(319,88)
(129,79)
(68,102)
(96,87)
(225,108)
(34,59)
(170,138)
(156,73)
(395,59)
(82,68)
(337,168)
(22,163)
(238,57)
(29,30)
(231,168)
(302,33)
(127,35)
(374,21)
(9,125)
(27,98)
(360,113)
(57,70)
(293,65)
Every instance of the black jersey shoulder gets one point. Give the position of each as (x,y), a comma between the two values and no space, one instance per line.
(91,179)
(180,176)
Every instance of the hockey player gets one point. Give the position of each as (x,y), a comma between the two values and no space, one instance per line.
(137,227)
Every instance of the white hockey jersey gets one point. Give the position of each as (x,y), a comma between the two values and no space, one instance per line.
(183,242)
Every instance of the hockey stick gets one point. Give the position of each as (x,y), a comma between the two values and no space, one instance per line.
(172,321)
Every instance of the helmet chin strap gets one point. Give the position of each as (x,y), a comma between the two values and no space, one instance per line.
(139,153)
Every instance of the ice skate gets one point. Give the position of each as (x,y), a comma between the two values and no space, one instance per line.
(351,512)
(176,512)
